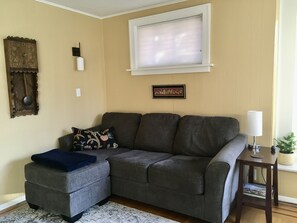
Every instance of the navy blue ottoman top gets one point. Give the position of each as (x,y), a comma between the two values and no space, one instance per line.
(66,161)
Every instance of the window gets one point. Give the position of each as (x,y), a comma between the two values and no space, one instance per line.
(287,70)
(286,106)
(172,42)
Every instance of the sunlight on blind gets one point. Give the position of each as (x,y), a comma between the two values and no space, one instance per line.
(176,42)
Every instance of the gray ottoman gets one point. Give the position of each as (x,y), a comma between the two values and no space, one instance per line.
(67,193)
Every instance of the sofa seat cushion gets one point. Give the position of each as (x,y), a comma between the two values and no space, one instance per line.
(103,154)
(180,173)
(156,132)
(134,165)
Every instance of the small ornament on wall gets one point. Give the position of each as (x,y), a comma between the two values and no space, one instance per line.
(21,70)
(169,91)
(80,62)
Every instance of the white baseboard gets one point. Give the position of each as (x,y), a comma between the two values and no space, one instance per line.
(23,198)
(287,199)
(12,202)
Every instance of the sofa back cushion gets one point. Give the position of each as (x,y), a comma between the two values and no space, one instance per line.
(204,136)
(156,132)
(125,126)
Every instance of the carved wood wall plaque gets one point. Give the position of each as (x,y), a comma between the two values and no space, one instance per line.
(21,69)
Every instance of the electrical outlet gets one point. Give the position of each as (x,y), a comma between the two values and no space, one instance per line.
(78,92)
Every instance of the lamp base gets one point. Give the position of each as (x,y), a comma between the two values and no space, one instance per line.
(256,152)
(257,147)
(257,156)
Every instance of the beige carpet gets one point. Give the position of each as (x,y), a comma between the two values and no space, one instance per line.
(111,212)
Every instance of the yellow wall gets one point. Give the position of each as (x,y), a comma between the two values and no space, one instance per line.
(242,51)
(287,184)
(56,32)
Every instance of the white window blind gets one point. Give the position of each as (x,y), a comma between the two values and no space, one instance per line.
(171,43)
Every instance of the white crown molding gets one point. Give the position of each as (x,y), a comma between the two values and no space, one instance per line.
(144,8)
(67,8)
(112,15)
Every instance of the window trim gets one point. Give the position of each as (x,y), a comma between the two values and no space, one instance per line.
(203,10)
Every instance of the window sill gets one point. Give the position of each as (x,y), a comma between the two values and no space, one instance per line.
(171,70)
(292,168)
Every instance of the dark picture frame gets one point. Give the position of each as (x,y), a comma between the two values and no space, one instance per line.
(169,91)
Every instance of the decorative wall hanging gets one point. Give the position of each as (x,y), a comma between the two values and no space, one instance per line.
(169,91)
(21,69)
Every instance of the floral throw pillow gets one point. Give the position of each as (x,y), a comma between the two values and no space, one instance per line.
(85,139)
(107,139)
(92,140)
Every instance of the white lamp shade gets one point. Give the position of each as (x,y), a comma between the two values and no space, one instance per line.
(254,123)
(80,64)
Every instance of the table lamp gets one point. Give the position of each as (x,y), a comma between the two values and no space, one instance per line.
(254,127)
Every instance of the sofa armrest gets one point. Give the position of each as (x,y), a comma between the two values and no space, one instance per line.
(66,141)
(221,179)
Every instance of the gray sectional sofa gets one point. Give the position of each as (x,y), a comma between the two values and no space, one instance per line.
(184,164)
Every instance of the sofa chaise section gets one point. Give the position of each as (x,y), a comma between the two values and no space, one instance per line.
(71,193)
(68,193)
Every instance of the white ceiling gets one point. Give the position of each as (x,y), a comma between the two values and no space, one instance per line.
(107,8)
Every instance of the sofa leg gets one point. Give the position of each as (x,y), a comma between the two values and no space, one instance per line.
(33,206)
(104,201)
(72,219)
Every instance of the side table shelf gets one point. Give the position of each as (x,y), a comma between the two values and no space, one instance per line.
(255,190)
(263,198)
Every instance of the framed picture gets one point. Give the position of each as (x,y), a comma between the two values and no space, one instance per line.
(169,91)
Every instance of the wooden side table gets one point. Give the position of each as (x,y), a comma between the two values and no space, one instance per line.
(268,161)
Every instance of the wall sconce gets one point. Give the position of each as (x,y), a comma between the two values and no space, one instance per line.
(80,63)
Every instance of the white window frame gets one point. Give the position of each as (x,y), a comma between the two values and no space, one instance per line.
(134,24)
